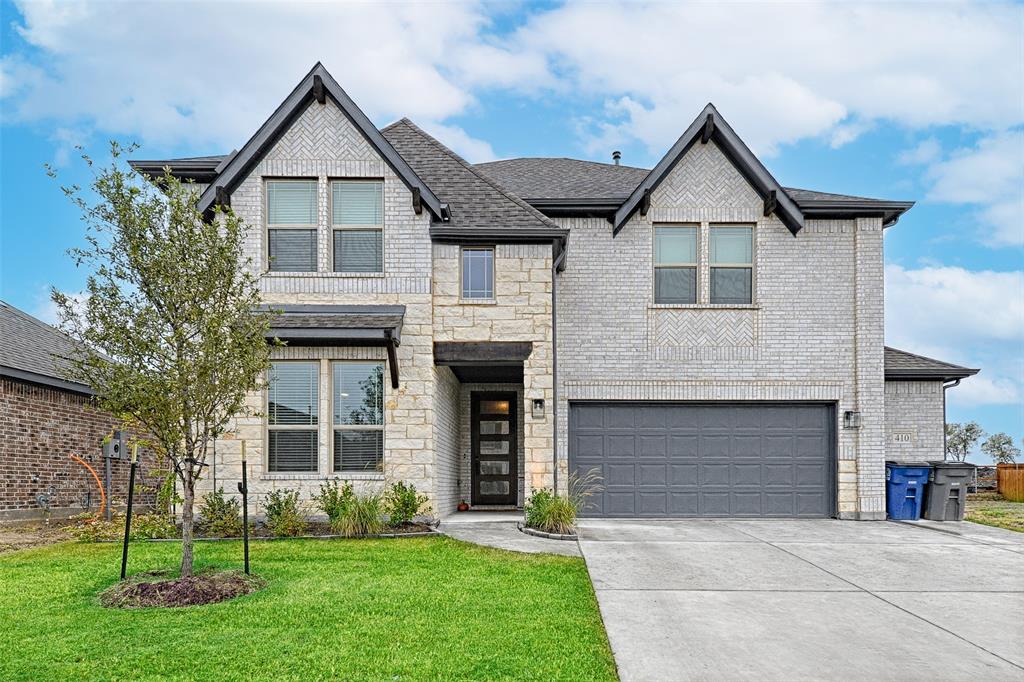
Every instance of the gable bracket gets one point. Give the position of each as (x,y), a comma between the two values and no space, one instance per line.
(417,201)
(645,202)
(709,129)
(319,92)
(771,202)
(223,198)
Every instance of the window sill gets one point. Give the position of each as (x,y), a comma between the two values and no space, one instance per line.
(324,275)
(477,301)
(344,476)
(704,306)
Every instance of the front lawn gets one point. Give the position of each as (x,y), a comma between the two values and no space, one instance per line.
(998,512)
(408,609)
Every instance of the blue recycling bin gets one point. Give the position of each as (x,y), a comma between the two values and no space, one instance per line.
(904,489)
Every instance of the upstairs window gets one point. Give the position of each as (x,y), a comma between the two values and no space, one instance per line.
(291,225)
(478,273)
(292,417)
(732,264)
(675,264)
(357,218)
(358,416)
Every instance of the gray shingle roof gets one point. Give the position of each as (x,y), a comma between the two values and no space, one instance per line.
(32,350)
(562,178)
(899,364)
(476,200)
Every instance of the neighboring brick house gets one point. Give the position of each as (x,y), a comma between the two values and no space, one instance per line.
(710,342)
(44,419)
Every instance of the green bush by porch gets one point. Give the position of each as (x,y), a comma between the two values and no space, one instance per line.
(411,609)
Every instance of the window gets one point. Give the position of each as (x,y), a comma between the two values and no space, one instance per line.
(291,225)
(478,273)
(357,216)
(358,416)
(732,251)
(675,264)
(292,417)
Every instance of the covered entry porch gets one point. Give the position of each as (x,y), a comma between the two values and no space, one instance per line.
(481,413)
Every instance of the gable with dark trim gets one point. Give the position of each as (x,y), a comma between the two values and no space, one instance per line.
(317,86)
(709,126)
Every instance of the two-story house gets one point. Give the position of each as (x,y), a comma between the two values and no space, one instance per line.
(707,341)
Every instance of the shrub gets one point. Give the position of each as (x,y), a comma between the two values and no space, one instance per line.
(333,498)
(402,503)
(553,513)
(89,528)
(221,515)
(283,517)
(361,516)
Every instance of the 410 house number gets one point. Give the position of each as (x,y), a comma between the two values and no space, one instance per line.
(902,437)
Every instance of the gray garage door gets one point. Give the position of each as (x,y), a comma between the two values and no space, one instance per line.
(691,460)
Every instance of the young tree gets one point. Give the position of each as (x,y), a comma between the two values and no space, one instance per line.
(1001,449)
(169,332)
(961,439)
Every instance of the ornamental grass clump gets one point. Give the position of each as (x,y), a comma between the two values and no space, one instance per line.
(553,513)
(362,515)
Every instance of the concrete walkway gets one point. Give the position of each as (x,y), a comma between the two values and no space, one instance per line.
(498,529)
(808,599)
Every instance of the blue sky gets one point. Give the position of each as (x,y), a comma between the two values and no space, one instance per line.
(902,101)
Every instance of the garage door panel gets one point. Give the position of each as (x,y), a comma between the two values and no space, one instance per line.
(718,460)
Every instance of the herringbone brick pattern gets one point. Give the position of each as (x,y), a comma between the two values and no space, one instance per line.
(672,327)
(322,132)
(705,178)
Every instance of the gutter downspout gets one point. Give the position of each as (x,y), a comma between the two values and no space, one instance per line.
(945,385)
(555,265)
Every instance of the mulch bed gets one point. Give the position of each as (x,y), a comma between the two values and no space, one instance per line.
(323,529)
(148,589)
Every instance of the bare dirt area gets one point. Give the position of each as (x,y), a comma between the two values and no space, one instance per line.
(155,588)
(15,535)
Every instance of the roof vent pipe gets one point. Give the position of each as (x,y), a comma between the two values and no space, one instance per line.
(616,156)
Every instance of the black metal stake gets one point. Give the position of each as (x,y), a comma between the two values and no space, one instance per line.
(243,488)
(107,485)
(128,515)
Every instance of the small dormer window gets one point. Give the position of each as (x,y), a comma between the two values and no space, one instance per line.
(357,219)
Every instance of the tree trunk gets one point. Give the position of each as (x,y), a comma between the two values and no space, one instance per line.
(188,500)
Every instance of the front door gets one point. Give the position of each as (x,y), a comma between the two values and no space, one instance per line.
(494,463)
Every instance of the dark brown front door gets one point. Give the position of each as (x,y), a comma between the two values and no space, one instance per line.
(493,424)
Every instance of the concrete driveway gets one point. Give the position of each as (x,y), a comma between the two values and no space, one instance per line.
(808,600)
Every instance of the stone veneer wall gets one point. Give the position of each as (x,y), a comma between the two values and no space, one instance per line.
(814,331)
(914,408)
(323,144)
(521,311)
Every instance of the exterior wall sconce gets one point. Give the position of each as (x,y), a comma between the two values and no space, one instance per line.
(851,419)
(538,408)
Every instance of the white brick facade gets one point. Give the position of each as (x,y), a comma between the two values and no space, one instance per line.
(914,419)
(812,333)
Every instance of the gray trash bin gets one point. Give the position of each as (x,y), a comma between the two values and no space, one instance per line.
(945,496)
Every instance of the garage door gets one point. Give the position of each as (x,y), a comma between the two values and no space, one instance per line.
(715,460)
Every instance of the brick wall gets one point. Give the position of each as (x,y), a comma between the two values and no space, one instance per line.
(914,420)
(813,332)
(39,429)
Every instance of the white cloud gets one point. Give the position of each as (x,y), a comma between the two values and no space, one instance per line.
(460,142)
(46,310)
(924,152)
(990,175)
(972,318)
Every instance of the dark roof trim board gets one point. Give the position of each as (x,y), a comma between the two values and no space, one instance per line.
(234,171)
(336,324)
(559,239)
(901,365)
(44,380)
(733,147)
(195,169)
(482,352)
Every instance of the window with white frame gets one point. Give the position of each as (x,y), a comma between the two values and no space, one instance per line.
(358,389)
(291,225)
(357,219)
(732,263)
(478,272)
(675,264)
(293,417)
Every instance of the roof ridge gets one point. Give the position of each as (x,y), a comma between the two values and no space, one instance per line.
(514,198)
(562,158)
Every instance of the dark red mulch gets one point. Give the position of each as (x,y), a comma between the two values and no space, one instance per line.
(205,588)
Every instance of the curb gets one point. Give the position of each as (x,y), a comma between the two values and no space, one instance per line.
(542,534)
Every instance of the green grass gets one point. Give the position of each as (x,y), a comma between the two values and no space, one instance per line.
(998,513)
(408,609)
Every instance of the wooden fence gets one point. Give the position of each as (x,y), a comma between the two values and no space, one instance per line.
(1010,481)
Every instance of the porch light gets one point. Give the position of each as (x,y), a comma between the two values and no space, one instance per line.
(851,419)
(538,408)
